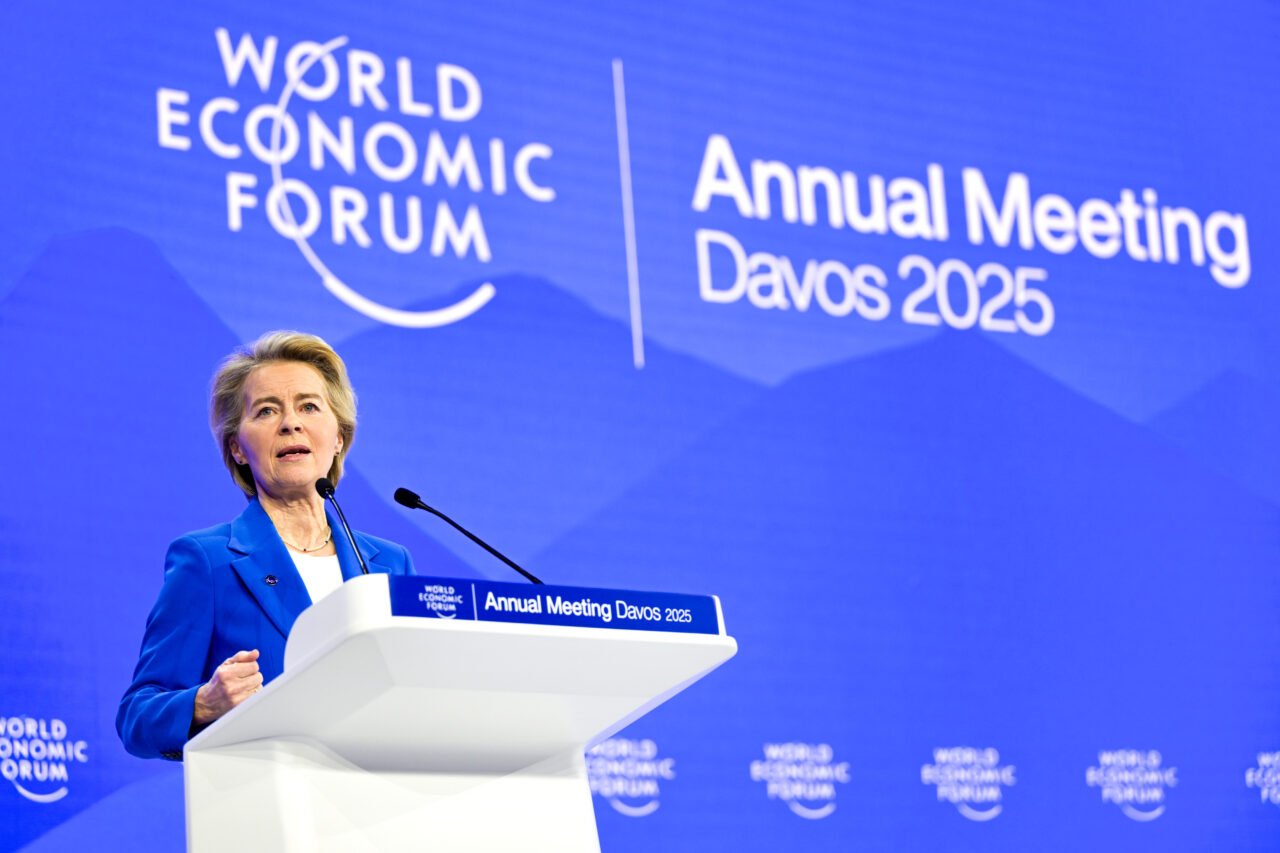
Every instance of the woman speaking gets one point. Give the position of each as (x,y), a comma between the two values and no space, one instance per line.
(283,413)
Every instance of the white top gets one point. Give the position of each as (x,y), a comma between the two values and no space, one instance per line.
(322,575)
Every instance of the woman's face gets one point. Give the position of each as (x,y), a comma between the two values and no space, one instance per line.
(288,434)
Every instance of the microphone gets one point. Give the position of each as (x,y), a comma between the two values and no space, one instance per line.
(404,497)
(325,488)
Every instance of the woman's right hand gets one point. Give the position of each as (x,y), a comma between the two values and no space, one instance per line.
(234,681)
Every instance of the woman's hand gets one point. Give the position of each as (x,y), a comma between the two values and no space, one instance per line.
(234,681)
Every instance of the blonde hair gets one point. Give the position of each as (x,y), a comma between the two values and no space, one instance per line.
(226,403)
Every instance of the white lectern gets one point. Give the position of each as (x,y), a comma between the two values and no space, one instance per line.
(461,727)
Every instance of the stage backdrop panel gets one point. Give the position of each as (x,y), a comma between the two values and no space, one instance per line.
(935,339)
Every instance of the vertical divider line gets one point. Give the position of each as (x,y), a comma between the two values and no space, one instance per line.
(628,215)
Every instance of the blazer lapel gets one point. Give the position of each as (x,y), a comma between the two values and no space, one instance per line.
(266,569)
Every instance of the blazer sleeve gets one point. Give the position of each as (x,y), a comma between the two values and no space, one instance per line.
(155,715)
(391,557)
(407,567)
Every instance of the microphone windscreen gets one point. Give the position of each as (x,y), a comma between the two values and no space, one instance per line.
(324,487)
(404,497)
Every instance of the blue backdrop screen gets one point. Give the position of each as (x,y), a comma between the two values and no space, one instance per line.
(931,338)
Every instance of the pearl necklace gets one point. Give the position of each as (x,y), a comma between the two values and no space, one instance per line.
(309,550)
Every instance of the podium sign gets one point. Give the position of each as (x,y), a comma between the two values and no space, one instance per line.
(432,713)
(583,607)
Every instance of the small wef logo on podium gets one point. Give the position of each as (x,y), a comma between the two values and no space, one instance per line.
(1265,776)
(441,600)
(973,780)
(802,775)
(35,754)
(1135,780)
(629,774)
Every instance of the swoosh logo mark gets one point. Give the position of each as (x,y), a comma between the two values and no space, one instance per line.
(811,814)
(459,310)
(973,814)
(42,798)
(633,811)
(1141,816)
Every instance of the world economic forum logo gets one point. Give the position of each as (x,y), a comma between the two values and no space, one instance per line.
(389,132)
(1135,780)
(1265,776)
(36,754)
(973,780)
(629,774)
(802,775)
(441,600)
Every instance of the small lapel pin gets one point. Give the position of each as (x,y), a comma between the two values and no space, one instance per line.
(271,580)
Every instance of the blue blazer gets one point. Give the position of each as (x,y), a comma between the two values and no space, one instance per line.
(228,588)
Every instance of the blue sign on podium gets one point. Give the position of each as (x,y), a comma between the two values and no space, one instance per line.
(580,607)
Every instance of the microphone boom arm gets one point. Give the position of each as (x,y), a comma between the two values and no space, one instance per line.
(411,500)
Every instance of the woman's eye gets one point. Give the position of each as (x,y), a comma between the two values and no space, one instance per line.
(265,410)
(310,407)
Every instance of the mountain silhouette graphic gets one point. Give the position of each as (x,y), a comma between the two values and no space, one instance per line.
(529,415)
(941,545)
(1232,424)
